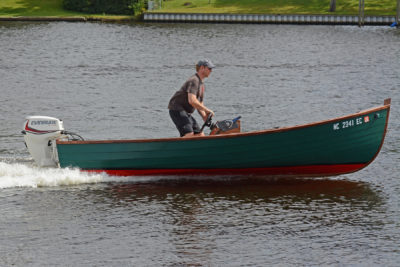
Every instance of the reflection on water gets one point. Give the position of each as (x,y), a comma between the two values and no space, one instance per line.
(315,201)
(199,221)
(200,216)
(247,189)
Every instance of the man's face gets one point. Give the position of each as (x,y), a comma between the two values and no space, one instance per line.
(206,71)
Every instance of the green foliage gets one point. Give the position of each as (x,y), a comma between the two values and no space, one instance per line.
(125,7)
(139,6)
(77,5)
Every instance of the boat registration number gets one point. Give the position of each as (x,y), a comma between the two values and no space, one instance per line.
(350,123)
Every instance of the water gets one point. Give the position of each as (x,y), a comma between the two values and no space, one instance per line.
(113,81)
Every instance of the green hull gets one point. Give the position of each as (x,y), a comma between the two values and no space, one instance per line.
(331,147)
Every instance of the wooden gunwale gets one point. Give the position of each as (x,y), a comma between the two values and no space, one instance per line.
(244,134)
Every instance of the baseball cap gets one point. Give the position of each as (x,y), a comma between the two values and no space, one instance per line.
(206,62)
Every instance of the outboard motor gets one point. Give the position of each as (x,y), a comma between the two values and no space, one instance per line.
(40,134)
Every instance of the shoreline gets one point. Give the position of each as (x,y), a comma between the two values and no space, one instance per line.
(161,17)
(69,19)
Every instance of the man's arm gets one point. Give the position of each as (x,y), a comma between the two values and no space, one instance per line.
(203,115)
(203,110)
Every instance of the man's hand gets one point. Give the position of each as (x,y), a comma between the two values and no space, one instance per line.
(209,111)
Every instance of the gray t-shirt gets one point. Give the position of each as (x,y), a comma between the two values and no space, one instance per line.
(180,101)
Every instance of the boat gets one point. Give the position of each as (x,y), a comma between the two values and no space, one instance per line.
(326,148)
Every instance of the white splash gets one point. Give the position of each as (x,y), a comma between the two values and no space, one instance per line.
(22,175)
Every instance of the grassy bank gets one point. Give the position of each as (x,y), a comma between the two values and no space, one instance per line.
(343,7)
(15,8)
(46,8)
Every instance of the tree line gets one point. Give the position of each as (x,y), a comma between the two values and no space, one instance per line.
(120,7)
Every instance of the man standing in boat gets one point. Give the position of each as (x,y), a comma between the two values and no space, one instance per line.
(190,97)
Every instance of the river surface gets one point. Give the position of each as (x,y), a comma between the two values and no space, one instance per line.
(113,81)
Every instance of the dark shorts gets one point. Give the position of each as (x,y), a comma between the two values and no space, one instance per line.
(184,122)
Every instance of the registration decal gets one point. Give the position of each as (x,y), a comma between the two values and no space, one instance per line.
(350,123)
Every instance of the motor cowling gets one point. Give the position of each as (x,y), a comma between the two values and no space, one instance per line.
(40,134)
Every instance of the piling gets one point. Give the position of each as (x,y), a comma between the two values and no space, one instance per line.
(398,13)
(361,6)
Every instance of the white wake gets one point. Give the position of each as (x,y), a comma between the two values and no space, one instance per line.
(26,175)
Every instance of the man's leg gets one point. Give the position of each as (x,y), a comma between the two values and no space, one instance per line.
(196,128)
(182,122)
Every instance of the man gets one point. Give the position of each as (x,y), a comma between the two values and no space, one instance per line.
(189,98)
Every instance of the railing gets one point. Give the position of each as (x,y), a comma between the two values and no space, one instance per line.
(268,18)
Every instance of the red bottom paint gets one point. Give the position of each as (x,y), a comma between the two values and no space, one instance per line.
(312,170)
